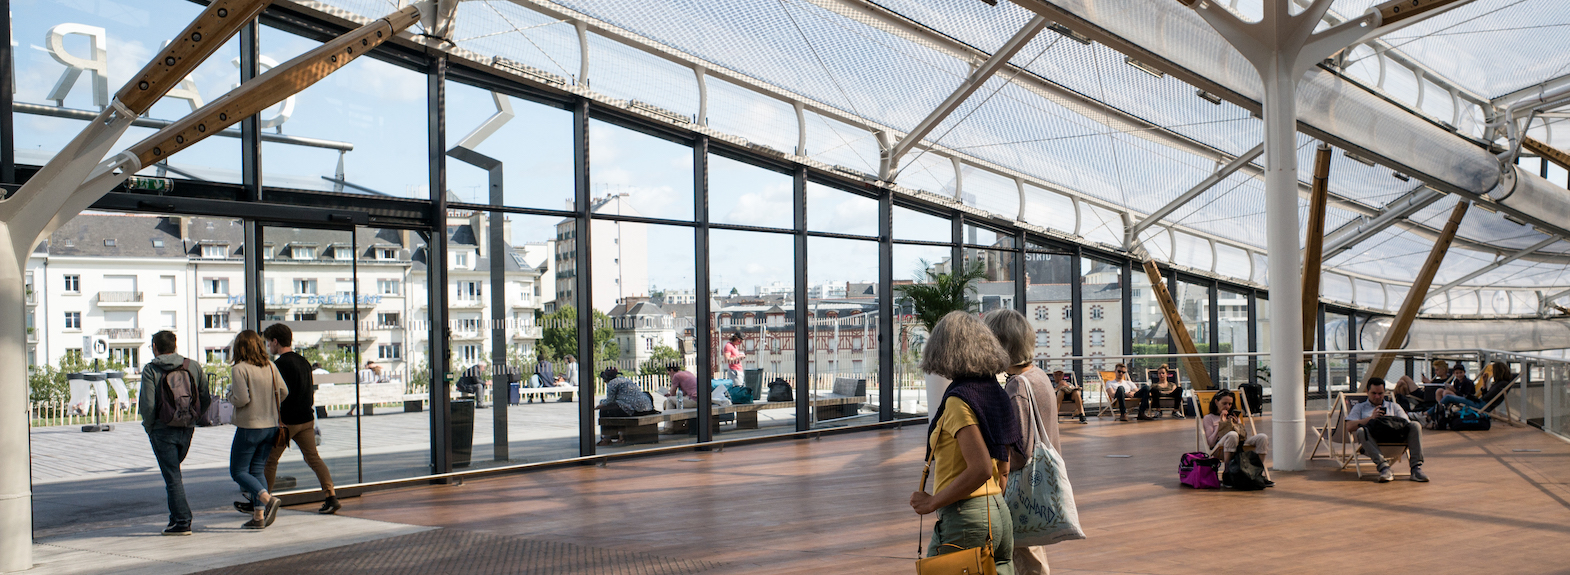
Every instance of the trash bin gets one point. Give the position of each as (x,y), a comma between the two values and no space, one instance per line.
(462,422)
(513,384)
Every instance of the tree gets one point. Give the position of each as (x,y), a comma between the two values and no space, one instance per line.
(561,335)
(733,291)
(663,356)
(942,293)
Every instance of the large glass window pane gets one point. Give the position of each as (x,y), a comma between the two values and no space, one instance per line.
(1048,301)
(1193,301)
(118,40)
(920,226)
(1262,368)
(1102,285)
(535,150)
(840,212)
(995,289)
(635,174)
(651,327)
(913,266)
(1338,338)
(747,195)
(842,298)
(1150,326)
(367,125)
(1232,332)
(753,277)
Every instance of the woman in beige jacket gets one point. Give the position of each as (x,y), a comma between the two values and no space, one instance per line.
(255,389)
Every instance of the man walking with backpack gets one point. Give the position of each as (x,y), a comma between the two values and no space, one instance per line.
(173,397)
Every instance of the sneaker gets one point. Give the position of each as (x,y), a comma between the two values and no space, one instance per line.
(1418,475)
(270,514)
(254,524)
(1143,417)
(178,530)
(1082,420)
(330,506)
(1177,415)
(1385,476)
(244,507)
(1122,418)
(1269,483)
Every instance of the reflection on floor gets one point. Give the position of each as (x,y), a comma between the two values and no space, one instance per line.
(135,546)
(81,477)
(839,504)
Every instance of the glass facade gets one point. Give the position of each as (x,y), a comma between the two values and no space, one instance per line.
(493,222)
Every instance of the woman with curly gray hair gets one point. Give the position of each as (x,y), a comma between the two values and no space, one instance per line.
(1019,341)
(968,442)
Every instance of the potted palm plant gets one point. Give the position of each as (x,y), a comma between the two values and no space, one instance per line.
(930,300)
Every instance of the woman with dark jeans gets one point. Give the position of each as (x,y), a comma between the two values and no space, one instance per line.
(256,389)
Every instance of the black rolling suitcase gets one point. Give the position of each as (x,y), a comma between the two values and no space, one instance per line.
(1255,394)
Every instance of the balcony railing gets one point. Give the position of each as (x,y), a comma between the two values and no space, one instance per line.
(112,298)
(121,333)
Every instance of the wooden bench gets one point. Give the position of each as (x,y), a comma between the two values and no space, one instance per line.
(645,428)
(844,388)
(341,389)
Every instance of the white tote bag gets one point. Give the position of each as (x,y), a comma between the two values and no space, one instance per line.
(1039,495)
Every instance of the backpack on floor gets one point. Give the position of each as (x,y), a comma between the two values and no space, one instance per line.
(1198,470)
(180,402)
(1246,472)
(1465,418)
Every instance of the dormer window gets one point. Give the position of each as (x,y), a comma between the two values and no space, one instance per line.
(214,251)
(342,253)
(387,254)
(302,253)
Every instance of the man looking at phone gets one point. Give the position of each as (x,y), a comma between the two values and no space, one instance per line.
(1378,406)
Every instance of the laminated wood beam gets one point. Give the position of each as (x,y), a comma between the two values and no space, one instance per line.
(1547,152)
(1314,243)
(1418,293)
(1198,374)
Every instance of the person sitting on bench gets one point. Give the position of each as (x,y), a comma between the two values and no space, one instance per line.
(1121,388)
(1161,385)
(622,399)
(1067,391)
(683,393)
(1224,430)
(1378,406)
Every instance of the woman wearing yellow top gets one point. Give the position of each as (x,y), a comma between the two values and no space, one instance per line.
(969,440)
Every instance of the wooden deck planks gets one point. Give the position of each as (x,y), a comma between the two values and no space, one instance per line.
(839,504)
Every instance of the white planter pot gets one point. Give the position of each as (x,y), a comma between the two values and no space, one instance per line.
(936,385)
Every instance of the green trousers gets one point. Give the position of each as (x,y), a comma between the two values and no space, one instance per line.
(964,524)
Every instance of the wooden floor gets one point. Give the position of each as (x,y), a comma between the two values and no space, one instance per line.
(838,505)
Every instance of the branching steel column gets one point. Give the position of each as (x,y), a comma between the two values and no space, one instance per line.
(1494,266)
(1209,182)
(1314,242)
(969,86)
(1415,297)
(1198,374)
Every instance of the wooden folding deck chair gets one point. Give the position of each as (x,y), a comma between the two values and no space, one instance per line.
(1107,408)
(1202,399)
(1073,407)
(1150,379)
(1342,446)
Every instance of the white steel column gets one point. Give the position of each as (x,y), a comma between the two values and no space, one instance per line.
(1282,46)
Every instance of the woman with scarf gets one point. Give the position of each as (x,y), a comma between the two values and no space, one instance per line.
(968,441)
